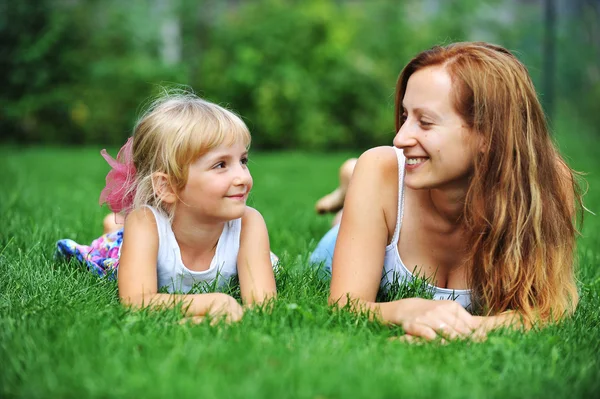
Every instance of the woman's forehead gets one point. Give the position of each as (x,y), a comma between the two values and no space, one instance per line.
(429,88)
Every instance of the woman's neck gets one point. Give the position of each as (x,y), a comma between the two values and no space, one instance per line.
(448,204)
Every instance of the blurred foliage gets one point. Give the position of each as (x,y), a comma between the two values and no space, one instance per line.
(577,75)
(76,71)
(307,74)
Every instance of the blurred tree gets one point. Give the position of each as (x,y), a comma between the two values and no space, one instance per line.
(310,74)
(72,68)
(549,56)
(36,55)
(322,76)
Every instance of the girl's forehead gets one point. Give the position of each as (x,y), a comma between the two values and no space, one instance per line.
(226,149)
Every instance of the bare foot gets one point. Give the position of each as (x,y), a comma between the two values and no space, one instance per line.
(113,222)
(332,202)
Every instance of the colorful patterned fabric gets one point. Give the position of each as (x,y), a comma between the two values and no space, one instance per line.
(102,257)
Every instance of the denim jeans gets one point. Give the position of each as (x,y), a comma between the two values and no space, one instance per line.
(323,253)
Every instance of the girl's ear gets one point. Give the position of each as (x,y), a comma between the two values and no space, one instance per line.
(162,188)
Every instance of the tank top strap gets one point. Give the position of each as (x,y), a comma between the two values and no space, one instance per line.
(401,160)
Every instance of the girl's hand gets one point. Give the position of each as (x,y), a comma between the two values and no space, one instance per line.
(429,319)
(226,306)
(222,306)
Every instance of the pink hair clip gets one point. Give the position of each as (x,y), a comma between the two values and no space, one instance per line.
(118,193)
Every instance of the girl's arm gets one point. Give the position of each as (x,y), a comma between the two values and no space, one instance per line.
(255,271)
(360,250)
(137,277)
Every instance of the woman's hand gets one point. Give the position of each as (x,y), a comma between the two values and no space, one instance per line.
(429,319)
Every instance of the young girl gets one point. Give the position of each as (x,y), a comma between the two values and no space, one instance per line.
(183,180)
(474,197)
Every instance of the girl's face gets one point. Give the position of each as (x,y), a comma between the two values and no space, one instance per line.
(218,185)
(439,148)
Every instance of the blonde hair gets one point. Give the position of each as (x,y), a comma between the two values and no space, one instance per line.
(521,201)
(174,131)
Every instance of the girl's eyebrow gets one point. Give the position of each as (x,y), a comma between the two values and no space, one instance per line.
(224,155)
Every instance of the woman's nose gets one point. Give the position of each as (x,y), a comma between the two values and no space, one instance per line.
(405,136)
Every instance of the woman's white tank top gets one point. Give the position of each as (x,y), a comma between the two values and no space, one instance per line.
(394,270)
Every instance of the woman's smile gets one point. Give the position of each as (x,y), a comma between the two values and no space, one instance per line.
(414,163)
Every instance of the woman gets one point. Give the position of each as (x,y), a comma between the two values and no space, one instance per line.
(474,197)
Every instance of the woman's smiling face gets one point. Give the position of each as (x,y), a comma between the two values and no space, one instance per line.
(439,147)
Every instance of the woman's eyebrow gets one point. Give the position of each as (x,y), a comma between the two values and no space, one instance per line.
(424,110)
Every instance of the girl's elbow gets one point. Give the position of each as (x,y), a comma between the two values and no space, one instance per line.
(135,300)
(338,299)
(129,300)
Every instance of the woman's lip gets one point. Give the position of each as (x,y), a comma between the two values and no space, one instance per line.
(414,166)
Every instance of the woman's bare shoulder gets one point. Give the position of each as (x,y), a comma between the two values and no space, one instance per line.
(377,180)
(383,160)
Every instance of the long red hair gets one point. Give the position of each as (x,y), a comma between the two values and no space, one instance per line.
(519,210)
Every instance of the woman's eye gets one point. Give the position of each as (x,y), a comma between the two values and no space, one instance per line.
(403,118)
(425,123)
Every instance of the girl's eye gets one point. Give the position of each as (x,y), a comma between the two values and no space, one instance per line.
(244,161)
(219,165)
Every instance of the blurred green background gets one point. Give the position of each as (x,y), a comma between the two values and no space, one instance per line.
(311,74)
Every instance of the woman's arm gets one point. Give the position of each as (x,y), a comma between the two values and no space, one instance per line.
(360,250)
(137,278)
(360,246)
(255,271)
(509,319)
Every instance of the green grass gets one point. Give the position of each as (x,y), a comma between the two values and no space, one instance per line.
(64,334)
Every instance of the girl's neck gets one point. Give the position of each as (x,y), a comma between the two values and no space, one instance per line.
(195,237)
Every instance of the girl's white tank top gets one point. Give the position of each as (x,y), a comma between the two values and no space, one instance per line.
(175,277)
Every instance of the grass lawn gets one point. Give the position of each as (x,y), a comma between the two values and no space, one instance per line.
(64,334)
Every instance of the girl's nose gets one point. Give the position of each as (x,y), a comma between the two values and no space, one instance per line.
(243,176)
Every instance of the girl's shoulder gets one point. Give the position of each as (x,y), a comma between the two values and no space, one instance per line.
(141,237)
(252,217)
(143,214)
(143,218)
